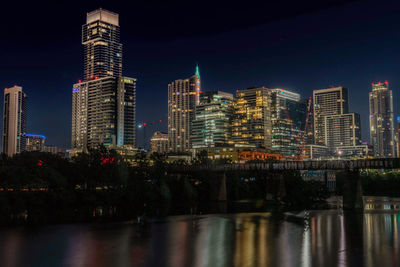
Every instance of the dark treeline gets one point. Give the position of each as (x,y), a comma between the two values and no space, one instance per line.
(376,183)
(38,187)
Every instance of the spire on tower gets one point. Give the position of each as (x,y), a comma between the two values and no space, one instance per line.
(197,71)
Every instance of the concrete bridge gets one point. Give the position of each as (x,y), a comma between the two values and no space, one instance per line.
(352,189)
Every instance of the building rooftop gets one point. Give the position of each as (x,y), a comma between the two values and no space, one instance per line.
(103,15)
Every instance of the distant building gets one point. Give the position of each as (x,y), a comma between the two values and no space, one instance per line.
(288,116)
(159,142)
(314,152)
(14,120)
(50,149)
(381,120)
(252,125)
(104,104)
(35,142)
(328,102)
(212,125)
(183,96)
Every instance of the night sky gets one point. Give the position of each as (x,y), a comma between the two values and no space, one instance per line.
(298,46)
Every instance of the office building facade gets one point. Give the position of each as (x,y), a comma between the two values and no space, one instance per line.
(183,96)
(252,124)
(288,116)
(212,125)
(104,112)
(342,130)
(14,120)
(381,120)
(104,104)
(330,101)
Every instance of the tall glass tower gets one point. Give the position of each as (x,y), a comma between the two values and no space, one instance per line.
(104,103)
(14,120)
(381,120)
(183,96)
(101,41)
(212,125)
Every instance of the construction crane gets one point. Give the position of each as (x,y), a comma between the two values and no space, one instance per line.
(303,143)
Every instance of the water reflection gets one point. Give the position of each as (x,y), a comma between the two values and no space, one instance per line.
(326,239)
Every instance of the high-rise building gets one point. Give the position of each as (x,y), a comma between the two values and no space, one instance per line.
(102,47)
(104,105)
(14,120)
(212,125)
(126,111)
(159,142)
(397,137)
(335,127)
(183,96)
(34,142)
(381,120)
(252,120)
(288,116)
(342,130)
(330,101)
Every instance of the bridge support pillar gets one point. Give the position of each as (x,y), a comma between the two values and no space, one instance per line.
(352,191)
(269,182)
(218,188)
(281,192)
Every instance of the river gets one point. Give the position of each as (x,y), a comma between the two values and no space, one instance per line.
(322,238)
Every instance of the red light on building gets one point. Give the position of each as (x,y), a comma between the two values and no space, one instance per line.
(160,121)
(108,160)
(79,81)
(40,163)
(386,82)
(144,124)
(379,82)
(372,83)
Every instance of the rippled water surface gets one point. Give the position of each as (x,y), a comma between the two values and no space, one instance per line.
(327,238)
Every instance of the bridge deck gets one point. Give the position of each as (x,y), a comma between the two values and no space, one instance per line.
(388,163)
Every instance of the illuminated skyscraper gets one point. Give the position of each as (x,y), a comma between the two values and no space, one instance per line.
(212,125)
(102,47)
(334,126)
(397,137)
(331,101)
(14,120)
(252,120)
(104,105)
(288,116)
(183,96)
(381,120)
(342,130)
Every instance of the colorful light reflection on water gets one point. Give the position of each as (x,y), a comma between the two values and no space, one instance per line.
(327,239)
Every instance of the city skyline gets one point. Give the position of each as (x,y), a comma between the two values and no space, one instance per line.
(242,57)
